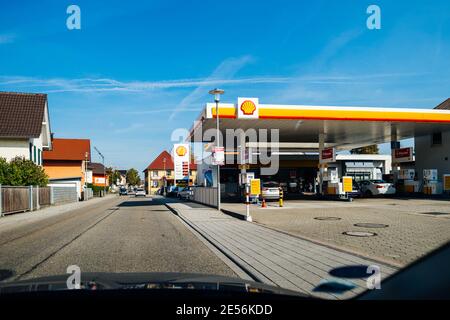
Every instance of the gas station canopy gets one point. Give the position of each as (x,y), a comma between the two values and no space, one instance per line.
(342,127)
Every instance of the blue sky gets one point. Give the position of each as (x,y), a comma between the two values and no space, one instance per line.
(119,79)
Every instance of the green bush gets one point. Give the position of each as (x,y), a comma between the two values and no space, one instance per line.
(96,189)
(21,172)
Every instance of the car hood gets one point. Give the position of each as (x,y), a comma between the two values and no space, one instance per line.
(153,280)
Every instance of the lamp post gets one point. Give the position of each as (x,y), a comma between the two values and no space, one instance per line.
(104,172)
(165,178)
(216,93)
(86,155)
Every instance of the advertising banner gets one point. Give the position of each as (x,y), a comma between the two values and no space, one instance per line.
(255,187)
(181,161)
(328,155)
(218,156)
(347,184)
(402,155)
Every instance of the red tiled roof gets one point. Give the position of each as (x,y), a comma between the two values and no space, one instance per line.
(444,105)
(97,168)
(69,149)
(158,163)
(21,114)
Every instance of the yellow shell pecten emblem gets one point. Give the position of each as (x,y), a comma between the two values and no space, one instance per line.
(248,107)
(181,151)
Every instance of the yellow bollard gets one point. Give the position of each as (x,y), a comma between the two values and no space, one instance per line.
(281,197)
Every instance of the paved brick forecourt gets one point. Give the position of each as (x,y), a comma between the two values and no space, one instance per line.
(273,257)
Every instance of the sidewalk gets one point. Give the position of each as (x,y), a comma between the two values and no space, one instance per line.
(273,257)
(50,211)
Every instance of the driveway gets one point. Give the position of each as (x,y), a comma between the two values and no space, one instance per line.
(393,231)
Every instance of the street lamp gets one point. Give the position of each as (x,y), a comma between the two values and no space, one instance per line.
(165,178)
(104,172)
(216,93)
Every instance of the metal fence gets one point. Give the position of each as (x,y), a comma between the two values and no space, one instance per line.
(205,195)
(88,194)
(62,195)
(28,198)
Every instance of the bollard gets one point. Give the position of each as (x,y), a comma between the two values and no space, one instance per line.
(281,197)
(247,203)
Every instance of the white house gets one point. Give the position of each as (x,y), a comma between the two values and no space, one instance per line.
(433,151)
(24,126)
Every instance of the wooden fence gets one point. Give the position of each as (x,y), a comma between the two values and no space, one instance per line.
(15,199)
(19,199)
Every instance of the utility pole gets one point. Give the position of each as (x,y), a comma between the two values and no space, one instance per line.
(104,171)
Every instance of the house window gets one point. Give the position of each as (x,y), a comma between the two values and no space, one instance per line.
(168,172)
(34,154)
(155,173)
(39,157)
(436,139)
(31,151)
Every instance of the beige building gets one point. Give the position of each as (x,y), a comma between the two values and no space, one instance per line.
(160,173)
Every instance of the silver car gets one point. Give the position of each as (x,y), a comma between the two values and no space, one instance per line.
(186,193)
(270,190)
(371,188)
(140,192)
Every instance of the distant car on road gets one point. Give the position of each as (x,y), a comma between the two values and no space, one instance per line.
(186,193)
(371,188)
(139,192)
(270,190)
(123,191)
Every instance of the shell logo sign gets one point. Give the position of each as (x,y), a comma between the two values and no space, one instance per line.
(181,151)
(248,108)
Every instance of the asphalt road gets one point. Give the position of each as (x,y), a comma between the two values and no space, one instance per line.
(124,234)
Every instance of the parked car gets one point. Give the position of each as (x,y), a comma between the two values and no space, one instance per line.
(172,192)
(270,190)
(371,188)
(123,191)
(139,192)
(356,192)
(186,193)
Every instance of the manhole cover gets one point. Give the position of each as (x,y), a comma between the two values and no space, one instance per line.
(371,225)
(5,274)
(327,218)
(359,234)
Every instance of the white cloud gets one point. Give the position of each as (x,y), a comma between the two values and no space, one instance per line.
(106,85)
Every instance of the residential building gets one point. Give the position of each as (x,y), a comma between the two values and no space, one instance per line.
(99,174)
(24,126)
(67,162)
(160,172)
(433,150)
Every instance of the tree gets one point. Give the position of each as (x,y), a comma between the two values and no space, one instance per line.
(4,167)
(21,172)
(133,177)
(113,176)
(373,149)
